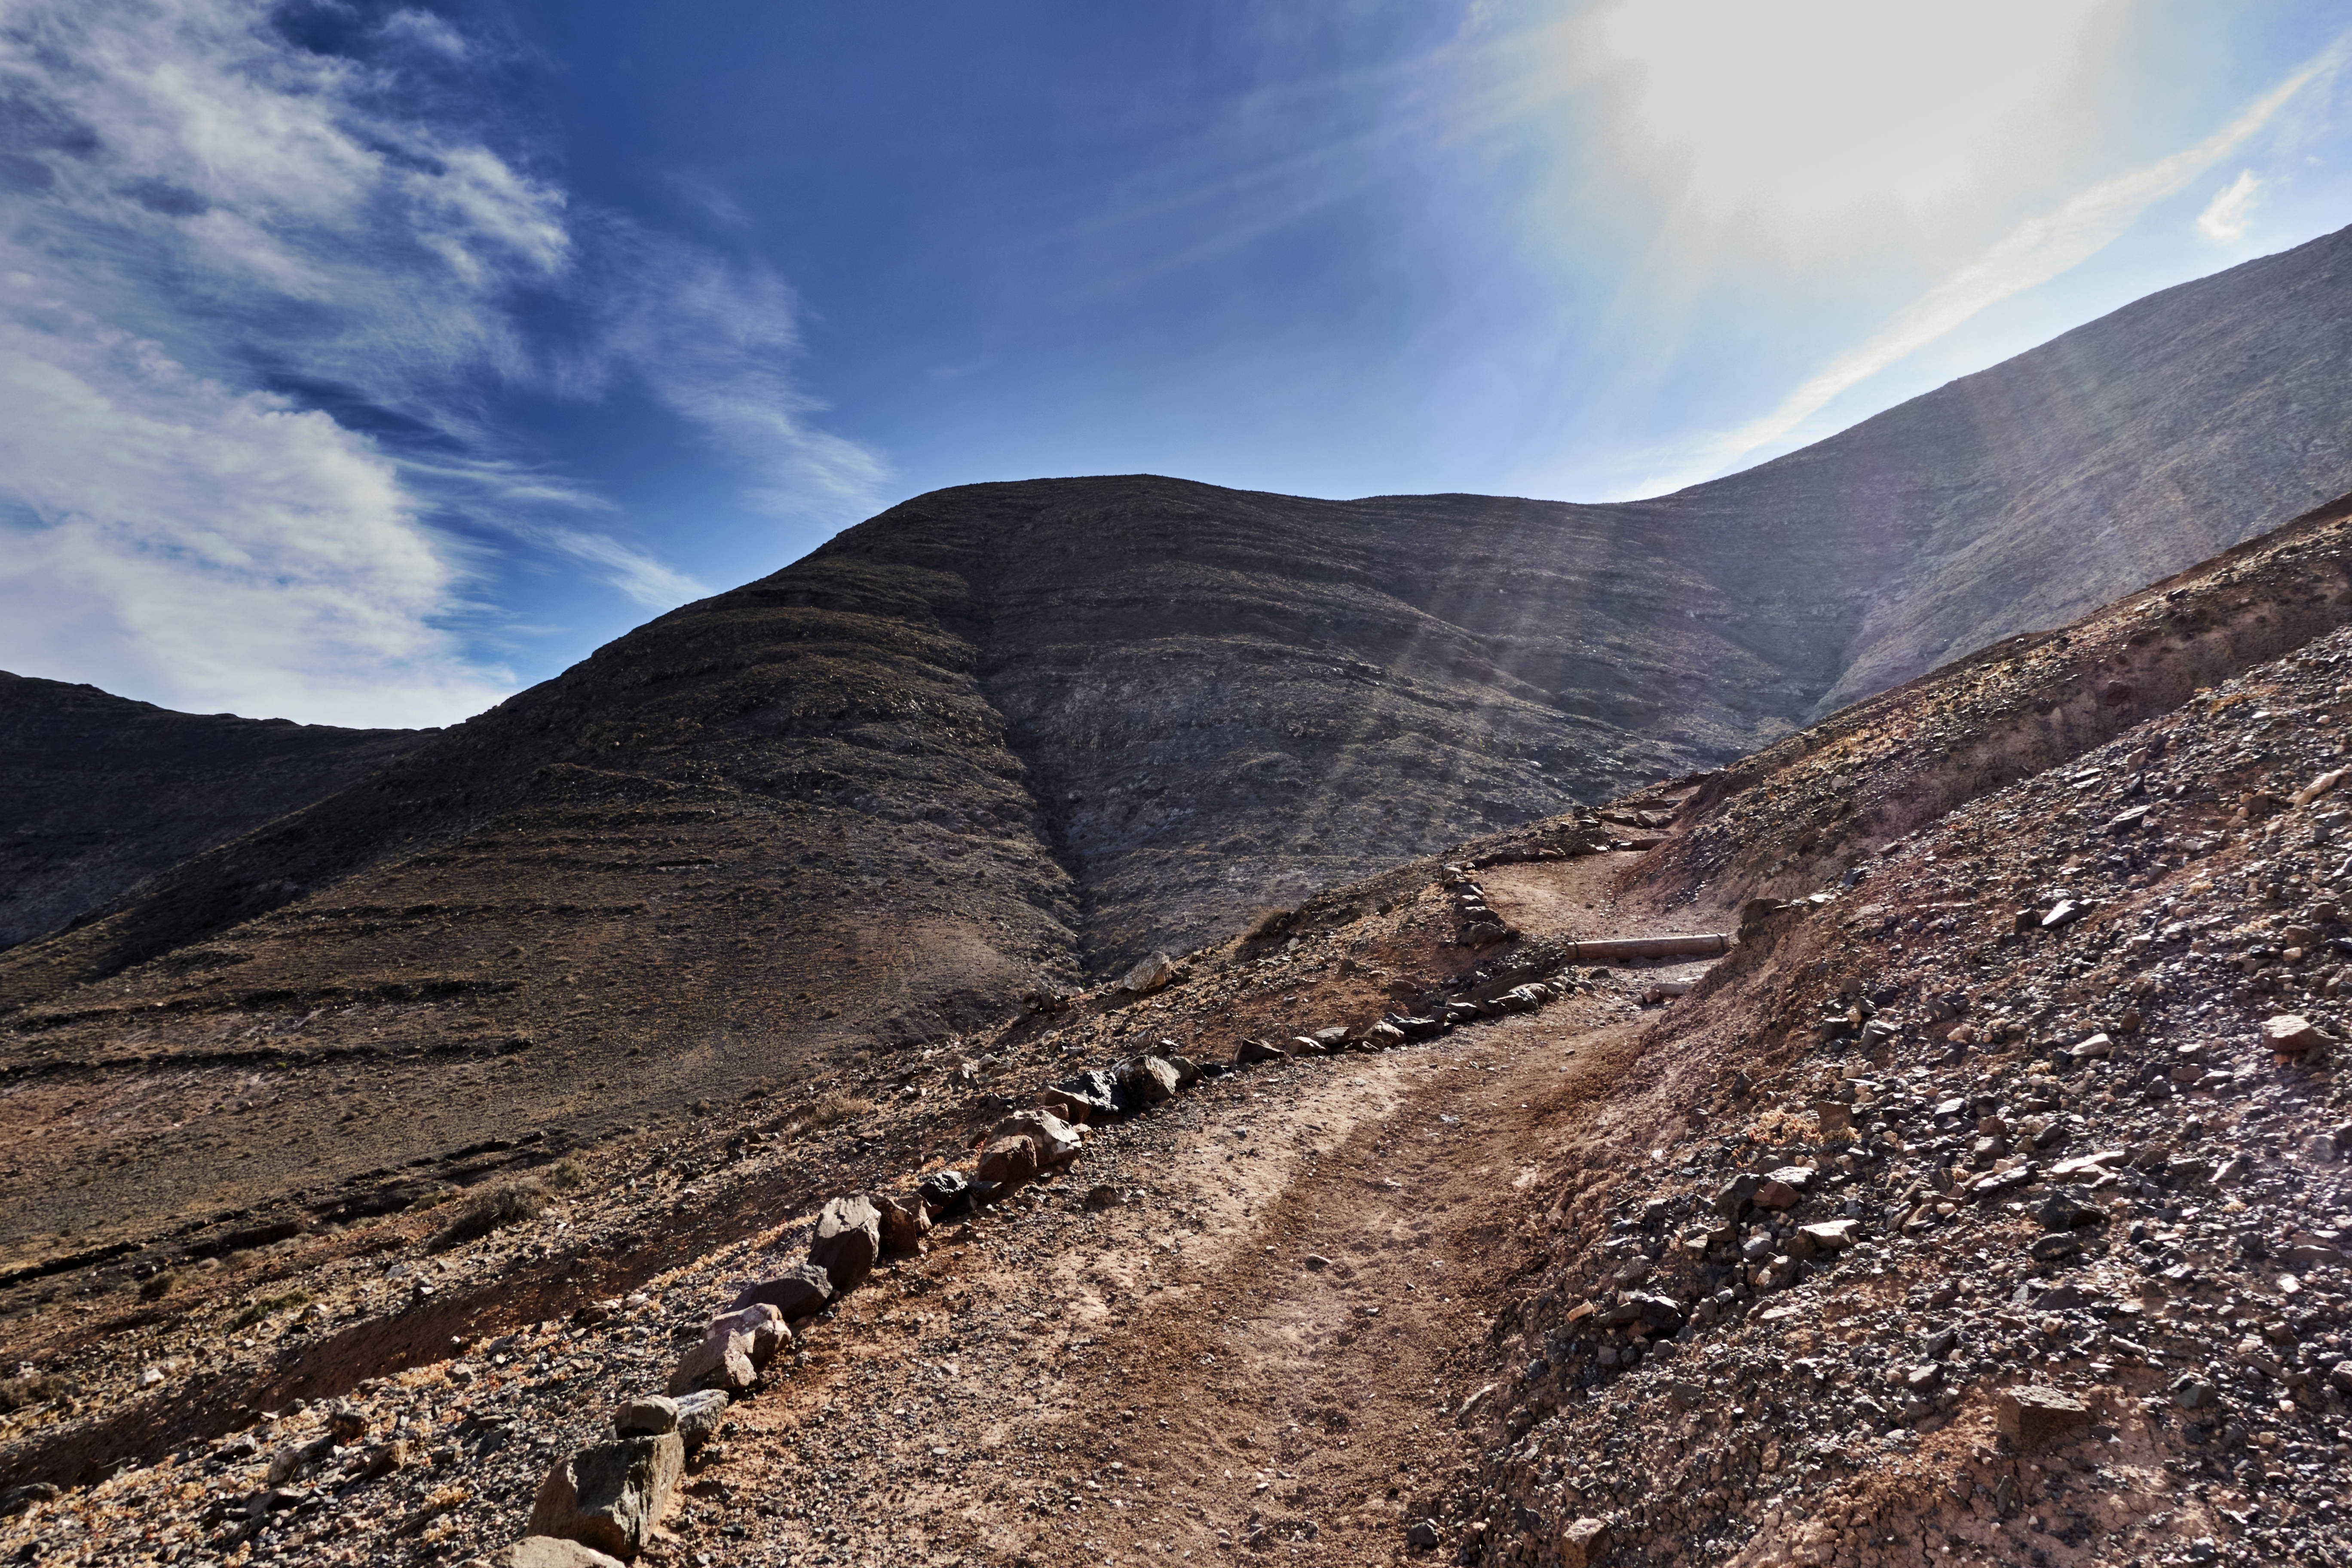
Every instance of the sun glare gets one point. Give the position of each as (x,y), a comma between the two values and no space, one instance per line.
(1798,114)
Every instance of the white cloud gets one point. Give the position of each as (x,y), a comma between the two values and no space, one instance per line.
(209,225)
(2030,253)
(2223,221)
(714,341)
(643,578)
(213,548)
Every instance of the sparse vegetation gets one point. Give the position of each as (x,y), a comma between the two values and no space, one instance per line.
(158,1286)
(260,1307)
(567,1175)
(34,1388)
(511,1203)
(833,1109)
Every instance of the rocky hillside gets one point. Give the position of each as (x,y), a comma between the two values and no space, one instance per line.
(98,793)
(1985,1201)
(1006,739)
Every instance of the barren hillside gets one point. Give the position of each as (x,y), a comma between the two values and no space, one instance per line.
(98,793)
(1985,1202)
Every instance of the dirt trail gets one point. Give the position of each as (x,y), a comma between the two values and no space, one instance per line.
(1271,1340)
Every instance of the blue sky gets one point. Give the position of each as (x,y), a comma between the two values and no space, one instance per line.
(362,362)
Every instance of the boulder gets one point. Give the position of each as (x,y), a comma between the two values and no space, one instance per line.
(734,1348)
(797,1292)
(548,1552)
(1776,1194)
(1380,1037)
(941,1191)
(905,1220)
(848,1240)
(1008,1161)
(1261,1052)
(649,1416)
(699,1416)
(608,1498)
(1835,1117)
(1833,1236)
(2035,1416)
(1142,1082)
(1732,1199)
(1086,1097)
(1307,1046)
(1187,1071)
(2067,1210)
(1149,974)
(1057,1141)
(1583,1544)
(2292,1036)
(1422,1535)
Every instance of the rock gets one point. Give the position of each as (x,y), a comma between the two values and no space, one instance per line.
(548,1552)
(1583,1544)
(1422,1535)
(1660,1314)
(905,1220)
(1307,1046)
(2035,1416)
(1057,1141)
(1832,1235)
(346,1425)
(1086,1097)
(1384,1036)
(2066,1210)
(649,1415)
(734,1348)
(1149,974)
(940,1190)
(1141,1082)
(1099,1198)
(609,1497)
(797,1292)
(1777,1195)
(699,1416)
(1261,1052)
(2192,1392)
(383,1459)
(2290,1035)
(1834,1116)
(1187,1071)
(848,1240)
(1332,1038)
(1008,1161)
(2054,1245)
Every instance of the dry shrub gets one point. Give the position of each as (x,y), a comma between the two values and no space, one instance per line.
(511,1203)
(567,1175)
(155,1286)
(837,1107)
(19,1393)
(260,1307)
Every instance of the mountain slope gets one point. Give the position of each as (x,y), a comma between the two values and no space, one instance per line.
(97,792)
(1006,734)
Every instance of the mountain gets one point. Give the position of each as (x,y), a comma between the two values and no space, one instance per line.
(98,793)
(1007,737)
(1984,1202)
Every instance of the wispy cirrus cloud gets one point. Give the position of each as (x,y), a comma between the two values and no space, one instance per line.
(2223,221)
(268,268)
